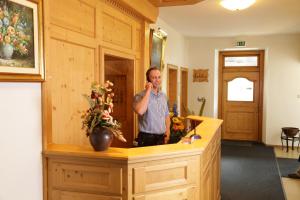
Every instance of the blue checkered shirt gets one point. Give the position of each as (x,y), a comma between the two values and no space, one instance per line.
(154,119)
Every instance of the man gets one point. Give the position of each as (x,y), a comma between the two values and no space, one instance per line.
(152,107)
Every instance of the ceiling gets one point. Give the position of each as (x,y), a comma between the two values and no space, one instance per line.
(209,19)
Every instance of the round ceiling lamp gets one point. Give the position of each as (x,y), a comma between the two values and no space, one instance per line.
(236,4)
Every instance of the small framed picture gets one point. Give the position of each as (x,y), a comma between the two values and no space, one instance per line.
(20,41)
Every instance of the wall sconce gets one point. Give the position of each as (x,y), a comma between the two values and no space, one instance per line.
(160,33)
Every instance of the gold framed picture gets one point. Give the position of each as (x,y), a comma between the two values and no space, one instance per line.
(20,41)
(157,48)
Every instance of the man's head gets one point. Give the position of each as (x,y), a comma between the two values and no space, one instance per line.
(153,76)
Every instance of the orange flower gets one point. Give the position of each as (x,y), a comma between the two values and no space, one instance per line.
(11,30)
(15,18)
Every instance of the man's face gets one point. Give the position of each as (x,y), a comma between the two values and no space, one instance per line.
(154,77)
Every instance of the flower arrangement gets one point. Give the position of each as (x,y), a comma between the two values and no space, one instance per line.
(177,129)
(15,29)
(101,108)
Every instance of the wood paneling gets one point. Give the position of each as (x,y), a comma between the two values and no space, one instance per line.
(66,195)
(71,74)
(117,31)
(177,172)
(210,169)
(83,14)
(86,177)
(79,35)
(178,194)
(162,176)
(75,43)
(138,44)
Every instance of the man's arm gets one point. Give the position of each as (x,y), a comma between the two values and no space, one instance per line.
(141,106)
(168,122)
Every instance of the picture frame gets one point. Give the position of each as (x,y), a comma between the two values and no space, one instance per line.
(200,75)
(157,49)
(21,47)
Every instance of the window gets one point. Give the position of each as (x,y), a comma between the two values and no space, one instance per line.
(241,61)
(240,89)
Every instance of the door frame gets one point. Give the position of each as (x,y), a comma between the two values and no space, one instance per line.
(173,67)
(261,61)
(104,51)
(184,69)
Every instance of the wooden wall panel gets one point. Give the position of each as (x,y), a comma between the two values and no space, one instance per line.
(83,18)
(66,195)
(117,31)
(86,178)
(138,39)
(177,194)
(74,40)
(71,73)
(163,176)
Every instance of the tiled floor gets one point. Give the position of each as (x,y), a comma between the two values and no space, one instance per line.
(291,186)
(283,154)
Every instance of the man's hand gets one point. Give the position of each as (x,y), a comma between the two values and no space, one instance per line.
(167,136)
(148,86)
(141,106)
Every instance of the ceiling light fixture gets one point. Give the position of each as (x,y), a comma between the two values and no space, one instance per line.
(236,4)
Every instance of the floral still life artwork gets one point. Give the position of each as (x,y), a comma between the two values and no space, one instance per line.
(18,37)
(101,108)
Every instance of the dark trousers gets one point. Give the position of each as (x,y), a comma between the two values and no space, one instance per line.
(149,139)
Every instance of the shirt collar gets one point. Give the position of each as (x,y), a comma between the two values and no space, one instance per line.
(158,93)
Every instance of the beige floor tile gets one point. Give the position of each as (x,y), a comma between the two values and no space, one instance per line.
(291,188)
(283,154)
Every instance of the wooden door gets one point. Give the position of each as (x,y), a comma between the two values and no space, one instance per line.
(241,94)
(172,85)
(184,92)
(120,72)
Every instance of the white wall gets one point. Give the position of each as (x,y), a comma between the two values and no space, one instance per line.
(20,141)
(282,78)
(175,53)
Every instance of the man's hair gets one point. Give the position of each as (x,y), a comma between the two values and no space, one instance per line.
(148,72)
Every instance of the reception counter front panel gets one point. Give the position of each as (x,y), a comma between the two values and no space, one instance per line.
(175,171)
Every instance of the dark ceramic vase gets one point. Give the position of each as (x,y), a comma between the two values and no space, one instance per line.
(101,138)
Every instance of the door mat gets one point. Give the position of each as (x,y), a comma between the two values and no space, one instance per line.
(287,166)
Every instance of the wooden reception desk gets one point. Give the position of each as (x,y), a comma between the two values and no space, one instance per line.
(165,172)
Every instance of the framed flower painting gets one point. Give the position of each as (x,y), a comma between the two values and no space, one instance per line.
(20,41)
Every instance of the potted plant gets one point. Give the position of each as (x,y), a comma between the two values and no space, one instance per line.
(177,129)
(97,120)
